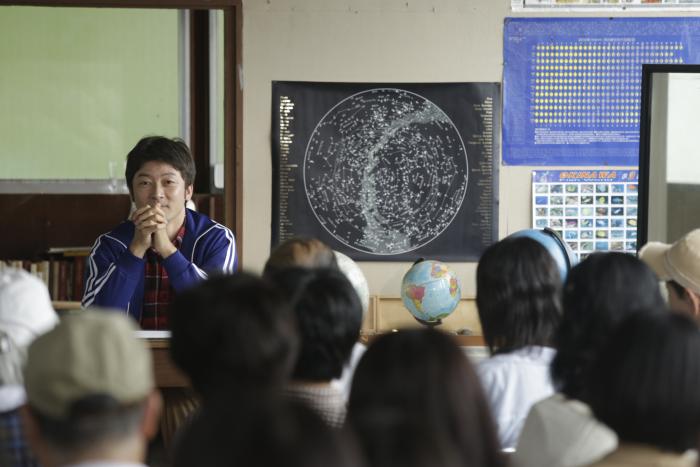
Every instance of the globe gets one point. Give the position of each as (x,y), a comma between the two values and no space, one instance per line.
(356,277)
(430,291)
(561,252)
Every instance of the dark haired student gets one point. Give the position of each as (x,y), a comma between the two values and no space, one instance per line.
(416,401)
(644,385)
(164,247)
(600,292)
(517,296)
(329,317)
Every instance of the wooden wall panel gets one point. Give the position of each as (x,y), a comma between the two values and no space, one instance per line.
(33,223)
(386,314)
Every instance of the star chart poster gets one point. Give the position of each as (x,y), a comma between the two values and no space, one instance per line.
(592,210)
(387,172)
(572,86)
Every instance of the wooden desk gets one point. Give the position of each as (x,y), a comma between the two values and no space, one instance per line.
(463,341)
(176,389)
(166,374)
(179,401)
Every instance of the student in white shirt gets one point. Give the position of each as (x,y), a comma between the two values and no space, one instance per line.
(518,300)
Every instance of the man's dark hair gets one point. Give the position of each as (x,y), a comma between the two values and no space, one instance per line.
(329,317)
(518,290)
(599,293)
(644,384)
(233,332)
(264,433)
(90,421)
(161,149)
(417,401)
(677,288)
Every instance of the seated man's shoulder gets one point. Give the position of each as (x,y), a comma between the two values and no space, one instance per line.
(202,225)
(119,237)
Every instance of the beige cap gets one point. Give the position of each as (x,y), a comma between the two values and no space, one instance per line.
(679,261)
(95,352)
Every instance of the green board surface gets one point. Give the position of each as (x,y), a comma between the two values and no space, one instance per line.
(79,87)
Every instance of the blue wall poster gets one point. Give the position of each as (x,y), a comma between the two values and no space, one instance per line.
(592,210)
(571,86)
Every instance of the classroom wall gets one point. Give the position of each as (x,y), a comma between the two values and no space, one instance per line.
(365,41)
(676,144)
(683,164)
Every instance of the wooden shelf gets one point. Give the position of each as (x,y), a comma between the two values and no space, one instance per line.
(463,341)
(65,306)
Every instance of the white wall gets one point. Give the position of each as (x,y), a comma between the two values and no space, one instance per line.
(683,152)
(365,41)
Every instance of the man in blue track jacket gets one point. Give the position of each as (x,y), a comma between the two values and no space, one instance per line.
(164,247)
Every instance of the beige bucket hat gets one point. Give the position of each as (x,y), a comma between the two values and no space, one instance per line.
(679,261)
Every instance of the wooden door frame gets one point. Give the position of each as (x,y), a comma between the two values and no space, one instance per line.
(233,94)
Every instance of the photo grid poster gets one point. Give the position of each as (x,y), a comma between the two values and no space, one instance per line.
(592,210)
(387,172)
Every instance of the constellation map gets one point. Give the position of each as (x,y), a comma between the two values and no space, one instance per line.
(386,171)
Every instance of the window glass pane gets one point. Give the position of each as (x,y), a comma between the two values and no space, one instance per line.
(217,97)
(80,86)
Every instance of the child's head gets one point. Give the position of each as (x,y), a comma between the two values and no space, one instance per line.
(329,317)
(518,290)
(416,400)
(644,383)
(233,332)
(599,293)
(304,252)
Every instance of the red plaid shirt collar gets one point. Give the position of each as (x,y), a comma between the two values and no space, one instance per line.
(157,292)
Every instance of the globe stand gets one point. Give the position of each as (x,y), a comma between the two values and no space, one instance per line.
(431,324)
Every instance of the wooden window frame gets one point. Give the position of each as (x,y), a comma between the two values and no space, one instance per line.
(233,95)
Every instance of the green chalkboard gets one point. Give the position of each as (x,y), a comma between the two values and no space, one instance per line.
(79,87)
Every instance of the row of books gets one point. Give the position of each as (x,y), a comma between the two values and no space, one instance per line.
(63,273)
